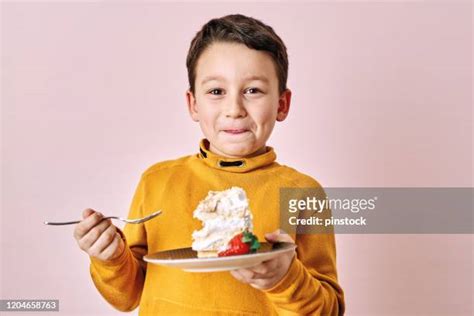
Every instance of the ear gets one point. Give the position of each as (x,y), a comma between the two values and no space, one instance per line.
(192,107)
(284,105)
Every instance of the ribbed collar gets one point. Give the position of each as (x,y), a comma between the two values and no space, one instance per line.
(239,165)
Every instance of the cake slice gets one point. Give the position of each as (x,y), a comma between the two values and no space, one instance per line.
(227,224)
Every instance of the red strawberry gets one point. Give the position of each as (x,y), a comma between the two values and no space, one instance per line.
(241,244)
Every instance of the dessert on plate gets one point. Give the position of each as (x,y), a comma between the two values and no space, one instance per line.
(227,225)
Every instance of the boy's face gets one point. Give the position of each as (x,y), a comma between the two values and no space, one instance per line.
(236,99)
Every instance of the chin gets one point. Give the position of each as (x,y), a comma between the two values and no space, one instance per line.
(237,153)
(237,150)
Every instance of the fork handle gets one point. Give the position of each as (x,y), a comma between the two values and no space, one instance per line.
(70,223)
(61,223)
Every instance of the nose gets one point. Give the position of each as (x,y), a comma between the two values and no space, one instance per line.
(235,107)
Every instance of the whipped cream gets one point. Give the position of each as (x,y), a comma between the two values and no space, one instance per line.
(224,214)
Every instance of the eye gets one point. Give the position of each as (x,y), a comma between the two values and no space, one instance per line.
(216,91)
(252,90)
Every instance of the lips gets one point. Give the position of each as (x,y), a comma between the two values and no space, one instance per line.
(236,131)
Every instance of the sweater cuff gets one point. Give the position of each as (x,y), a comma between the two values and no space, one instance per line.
(116,261)
(288,279)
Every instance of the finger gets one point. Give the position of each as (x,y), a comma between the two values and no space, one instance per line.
(237,275)
(278,236)
(265,270)
(79,229)
(246,274)
(93,234)
(112,248)
(87,224)
(260,284)
(273,235)
(87,212)
(104,240)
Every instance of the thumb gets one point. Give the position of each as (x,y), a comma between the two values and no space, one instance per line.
(278,236)
(87,212)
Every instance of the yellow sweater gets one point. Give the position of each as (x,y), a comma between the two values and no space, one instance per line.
(309,288)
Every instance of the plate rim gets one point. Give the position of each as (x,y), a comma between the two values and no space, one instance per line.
(146,258)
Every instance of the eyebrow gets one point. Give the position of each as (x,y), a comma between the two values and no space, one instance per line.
(249,78)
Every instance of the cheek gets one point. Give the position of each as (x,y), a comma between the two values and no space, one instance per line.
(209,115)
(265,115)
(207,111)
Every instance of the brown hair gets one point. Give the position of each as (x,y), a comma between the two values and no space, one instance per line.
(239,28)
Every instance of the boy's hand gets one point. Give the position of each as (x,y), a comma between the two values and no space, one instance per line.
(97,237)
(270,272)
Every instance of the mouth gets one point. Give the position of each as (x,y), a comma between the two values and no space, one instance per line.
(235,131)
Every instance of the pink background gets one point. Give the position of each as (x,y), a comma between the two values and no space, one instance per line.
(93,93)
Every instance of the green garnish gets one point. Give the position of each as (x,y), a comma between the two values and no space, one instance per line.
(251,239)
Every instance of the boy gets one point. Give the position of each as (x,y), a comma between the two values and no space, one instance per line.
(237,69)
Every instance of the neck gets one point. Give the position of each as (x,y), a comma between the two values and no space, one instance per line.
(260,151)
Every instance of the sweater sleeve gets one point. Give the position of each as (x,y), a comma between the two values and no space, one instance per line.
(120,281)
(310,286)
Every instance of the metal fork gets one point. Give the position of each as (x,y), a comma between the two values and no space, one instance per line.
(126,220)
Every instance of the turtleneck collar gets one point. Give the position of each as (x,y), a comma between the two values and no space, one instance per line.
(238,165)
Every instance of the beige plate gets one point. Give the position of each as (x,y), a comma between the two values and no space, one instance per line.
(186,258)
